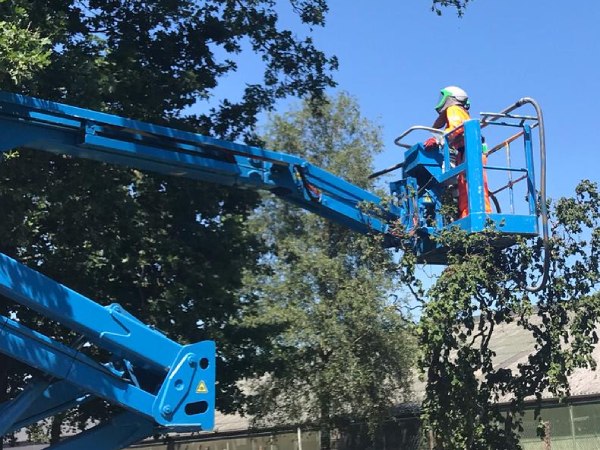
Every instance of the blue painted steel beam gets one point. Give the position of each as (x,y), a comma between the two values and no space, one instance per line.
(449,177)
(65,363)
(351,217)
(13,410)
(60,396)
(247,173)
(64,129)
(110,327)
(61,115)
(120,432)
(185,391)
(510,224)
(186,400)
(531,192)
(474,168)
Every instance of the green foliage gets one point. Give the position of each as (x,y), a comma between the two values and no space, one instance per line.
(341,350)
(153,60)
(23,51)
(459,5)
(483,288)
(170,250)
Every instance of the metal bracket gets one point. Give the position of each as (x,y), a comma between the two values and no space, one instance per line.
(187,396)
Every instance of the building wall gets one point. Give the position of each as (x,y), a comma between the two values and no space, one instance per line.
(570,426)
(398,435)
(274,441)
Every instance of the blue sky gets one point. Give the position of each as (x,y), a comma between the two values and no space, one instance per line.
(396,55)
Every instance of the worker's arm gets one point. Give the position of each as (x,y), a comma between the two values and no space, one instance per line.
(440,122)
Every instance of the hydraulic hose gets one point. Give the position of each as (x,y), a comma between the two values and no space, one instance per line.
(543,202)
(387,170)
(542,191)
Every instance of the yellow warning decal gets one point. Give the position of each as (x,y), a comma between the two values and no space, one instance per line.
(201,388)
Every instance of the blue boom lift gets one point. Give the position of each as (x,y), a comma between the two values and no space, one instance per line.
(184,398)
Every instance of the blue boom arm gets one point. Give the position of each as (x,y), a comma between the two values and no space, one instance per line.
(57,128)
(183,397)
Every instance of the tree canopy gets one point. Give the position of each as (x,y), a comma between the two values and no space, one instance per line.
(483,287)
(459,5)
(169,250)
(340,352)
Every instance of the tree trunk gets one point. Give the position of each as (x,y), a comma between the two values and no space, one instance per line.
(508,431)
(325,425)
(5,364)
(547,439)
(56,429)
(431,440)
(325,436)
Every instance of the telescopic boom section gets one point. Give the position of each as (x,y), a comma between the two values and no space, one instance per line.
(57,128)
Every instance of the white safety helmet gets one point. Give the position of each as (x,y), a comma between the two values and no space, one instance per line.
(452,95)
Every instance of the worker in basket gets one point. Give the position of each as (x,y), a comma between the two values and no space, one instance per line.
(453,110)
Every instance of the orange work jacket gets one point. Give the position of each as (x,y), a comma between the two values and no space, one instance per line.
(455,116)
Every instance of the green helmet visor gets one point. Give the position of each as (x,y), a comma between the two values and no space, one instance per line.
(444,94)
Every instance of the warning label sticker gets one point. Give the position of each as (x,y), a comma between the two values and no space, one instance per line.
(201,388)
